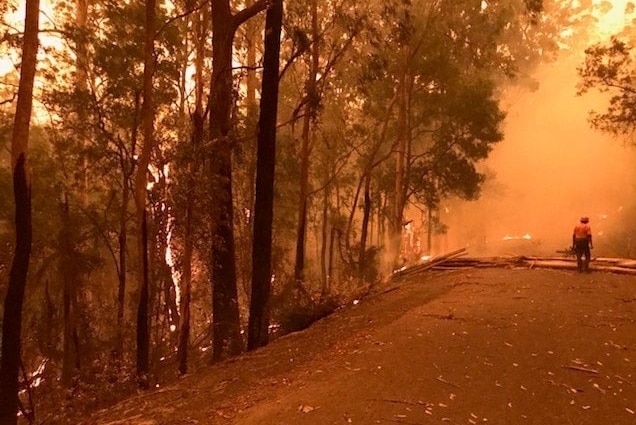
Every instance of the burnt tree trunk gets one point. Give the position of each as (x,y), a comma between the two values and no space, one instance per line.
(122,264)
(365,227)
(258,327)
(226,337)
(12,317)
(184,323)
(324,240)
(143,316)
(225,324)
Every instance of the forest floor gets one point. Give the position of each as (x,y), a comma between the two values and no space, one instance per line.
(475,346)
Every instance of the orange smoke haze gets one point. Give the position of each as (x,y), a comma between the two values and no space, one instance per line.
(550,170)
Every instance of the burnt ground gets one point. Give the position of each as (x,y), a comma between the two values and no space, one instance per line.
(476,346)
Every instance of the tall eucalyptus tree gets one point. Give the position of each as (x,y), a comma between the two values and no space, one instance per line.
(226,336)
(258,328)
(12,318)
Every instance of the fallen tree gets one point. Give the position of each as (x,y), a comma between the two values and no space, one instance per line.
(429,264)
(457,260)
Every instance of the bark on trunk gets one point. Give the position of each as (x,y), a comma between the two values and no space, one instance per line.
(258,328)
(225,312)
(143,319)
(123,241)
(200,19)
(324,240)
(330,266)
(365,227)
(143,316)
(184,324)
(402,163)
(70,277)
(398,202)
(306,148)
(81,83)
(12,317)
(429,233)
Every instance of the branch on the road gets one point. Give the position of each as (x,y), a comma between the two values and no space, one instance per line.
(411,403)
(440,379)
(582,369)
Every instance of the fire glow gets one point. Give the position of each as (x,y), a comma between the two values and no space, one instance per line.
(526,237)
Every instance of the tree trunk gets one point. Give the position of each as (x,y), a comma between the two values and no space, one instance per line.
(429,233)
(258,329)
(143,319)
(306,148)
(330,265)
(226,321)
(398,202)
(186,283)
(197,137)
(251,35)
(371,229)
(70,277)
(365,227)
(371,162)
(225,312)
(246,165)
(301,232)
(12,316)
(69,272)
(324,240)
(81,83)
(122,241)
(143,316)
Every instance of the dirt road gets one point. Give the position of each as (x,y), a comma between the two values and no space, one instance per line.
(481,346)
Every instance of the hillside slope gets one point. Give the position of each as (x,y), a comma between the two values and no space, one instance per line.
(496,346)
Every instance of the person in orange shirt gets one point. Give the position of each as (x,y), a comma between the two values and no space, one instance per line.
(582,243)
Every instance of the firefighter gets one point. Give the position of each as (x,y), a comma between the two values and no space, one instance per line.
(582,243)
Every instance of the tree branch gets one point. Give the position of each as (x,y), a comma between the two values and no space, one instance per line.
(181,16)
(243,15)
(4,102)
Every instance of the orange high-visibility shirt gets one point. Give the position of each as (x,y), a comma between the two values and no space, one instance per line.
(582,231)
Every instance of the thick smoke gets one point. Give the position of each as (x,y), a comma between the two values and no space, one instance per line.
(550,170)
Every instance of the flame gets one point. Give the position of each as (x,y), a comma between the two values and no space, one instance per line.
(36,376)
(169,255)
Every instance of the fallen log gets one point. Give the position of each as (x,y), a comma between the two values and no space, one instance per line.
(621,270)
(630,264)
(456,260)
(611,260)
(533,258)
(430,263)
(553,264)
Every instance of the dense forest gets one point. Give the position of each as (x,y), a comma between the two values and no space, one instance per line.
(183,180)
